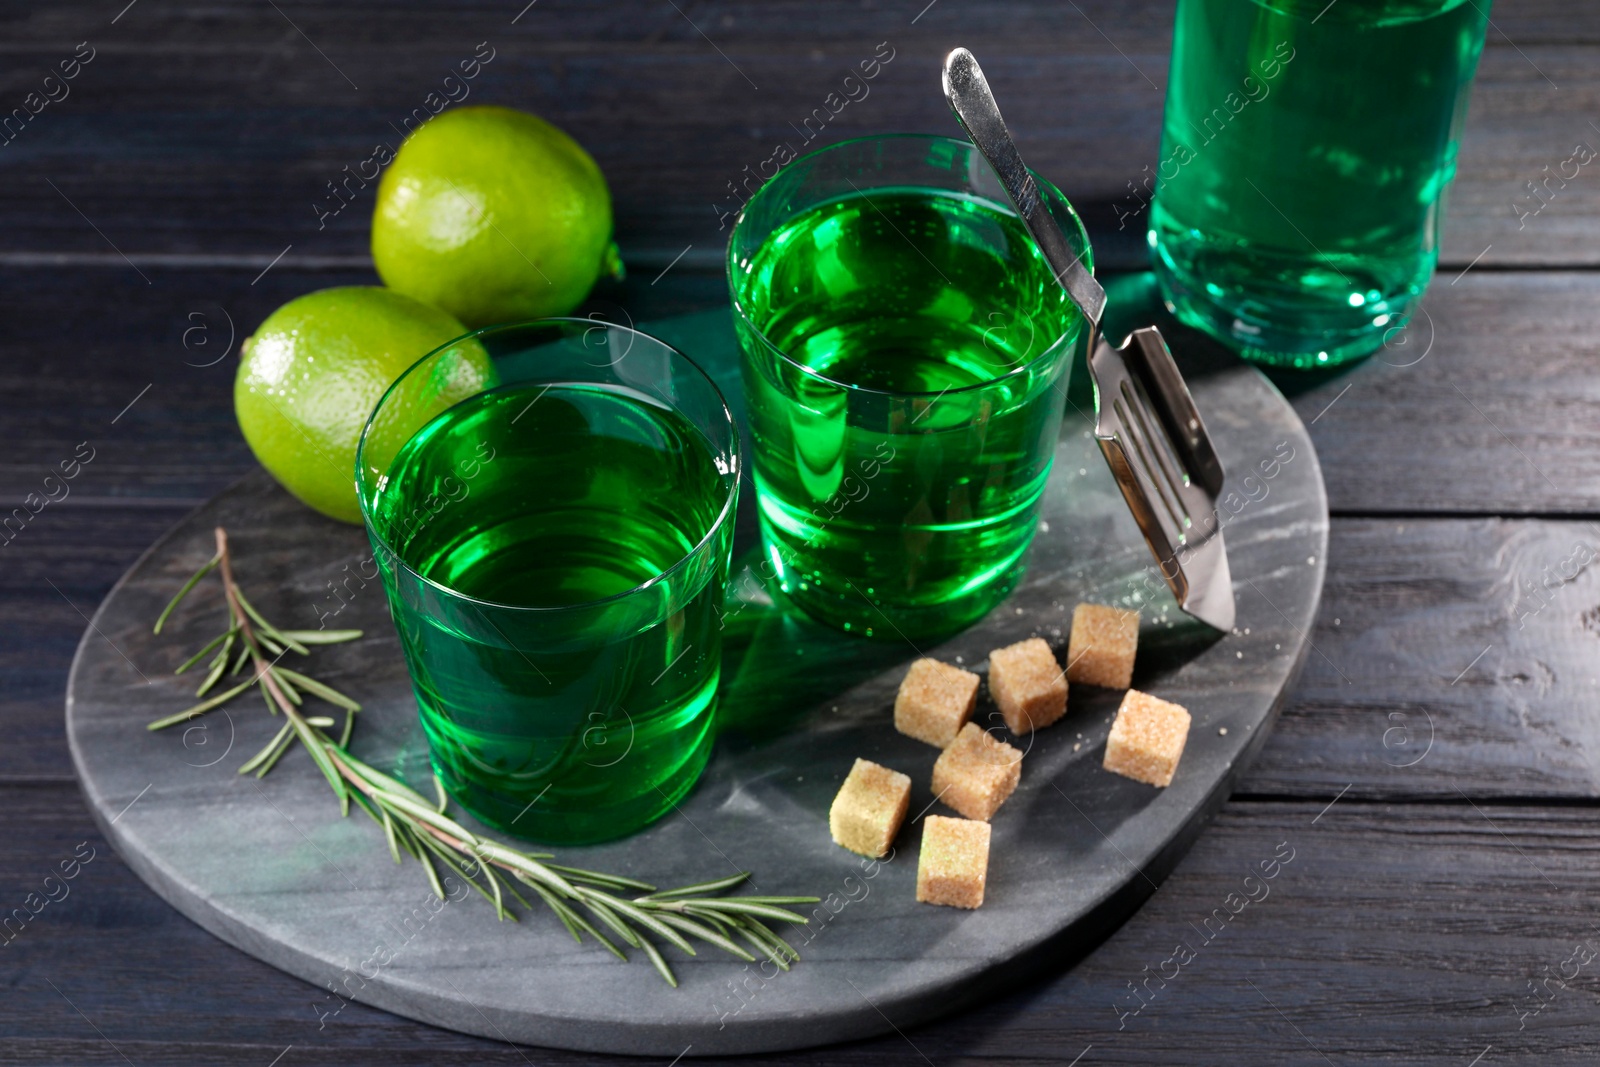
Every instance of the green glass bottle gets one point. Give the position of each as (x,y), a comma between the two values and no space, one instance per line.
(1305,153)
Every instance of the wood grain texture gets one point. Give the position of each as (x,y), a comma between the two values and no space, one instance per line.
(213,133)
(1451,658)
(1487,404)
(1389,920)
(82,345)
(52,578)
(1408,605)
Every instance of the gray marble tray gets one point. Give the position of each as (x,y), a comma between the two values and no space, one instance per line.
(269,866)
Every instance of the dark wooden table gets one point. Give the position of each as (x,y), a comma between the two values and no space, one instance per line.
(1435,772)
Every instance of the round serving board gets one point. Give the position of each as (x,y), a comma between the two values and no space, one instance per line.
(270,867)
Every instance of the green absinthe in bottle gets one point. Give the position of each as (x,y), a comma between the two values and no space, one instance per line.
(1305,153)
(590,714)
(906,409)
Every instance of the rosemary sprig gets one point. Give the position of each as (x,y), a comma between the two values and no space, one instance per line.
(586,902)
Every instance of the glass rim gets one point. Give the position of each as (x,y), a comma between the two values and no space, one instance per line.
(724,516)
(1046,187)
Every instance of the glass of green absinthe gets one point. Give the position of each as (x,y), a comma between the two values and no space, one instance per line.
(551,505)
(905,358)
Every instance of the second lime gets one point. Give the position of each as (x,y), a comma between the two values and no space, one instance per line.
(493,215)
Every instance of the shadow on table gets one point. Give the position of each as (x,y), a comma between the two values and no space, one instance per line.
(778,665)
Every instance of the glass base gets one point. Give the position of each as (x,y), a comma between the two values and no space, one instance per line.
(1272,336)
(605,817)
(858,608)
(1285,310)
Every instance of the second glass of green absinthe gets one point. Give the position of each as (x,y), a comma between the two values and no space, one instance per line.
(900,452)
(576,725)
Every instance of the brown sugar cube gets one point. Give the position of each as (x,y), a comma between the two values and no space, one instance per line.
(1028,684)
(1146,741)
(1104,640)
(869,809)
(976,773)
(935,701)
(954,863)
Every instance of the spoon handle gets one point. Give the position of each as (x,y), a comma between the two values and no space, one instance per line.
(968,92)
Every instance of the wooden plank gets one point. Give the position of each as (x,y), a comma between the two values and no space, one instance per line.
(53,576)
(1378,920)
(1486,405)
(96,362)
(215,137)
(1449,655)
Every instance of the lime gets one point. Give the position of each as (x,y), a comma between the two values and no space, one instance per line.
(316,368)
(493,215)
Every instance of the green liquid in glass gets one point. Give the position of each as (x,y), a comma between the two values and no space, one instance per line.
(575,725)
(1305,152)
(885,513)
